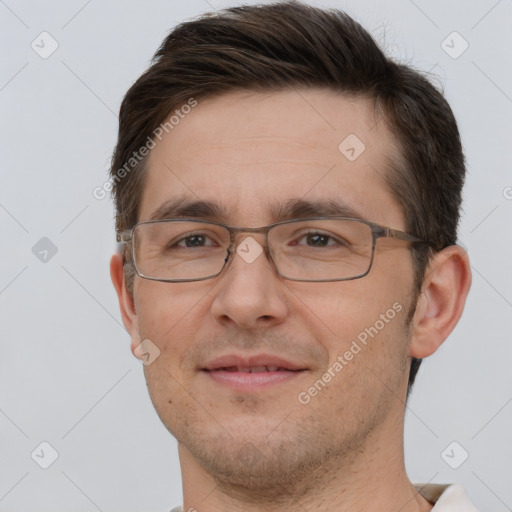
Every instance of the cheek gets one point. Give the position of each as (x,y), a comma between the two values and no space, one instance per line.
(345,308)
(168,318)
(163,309)
(371,337)
(364,322)
(367,368)
(171,319)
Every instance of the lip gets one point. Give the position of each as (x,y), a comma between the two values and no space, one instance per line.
(221,371)
(230,360)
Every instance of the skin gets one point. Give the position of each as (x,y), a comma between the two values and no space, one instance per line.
(263,450)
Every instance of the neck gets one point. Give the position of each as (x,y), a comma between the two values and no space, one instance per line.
(373,475)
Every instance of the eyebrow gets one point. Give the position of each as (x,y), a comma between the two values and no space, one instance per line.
(294,208)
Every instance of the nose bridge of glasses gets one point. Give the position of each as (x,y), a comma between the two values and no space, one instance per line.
(248,244)
(239,234)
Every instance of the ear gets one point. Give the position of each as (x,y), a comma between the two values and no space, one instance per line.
(441,301)
(126,302)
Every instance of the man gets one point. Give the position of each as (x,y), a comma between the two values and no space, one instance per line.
(288,201)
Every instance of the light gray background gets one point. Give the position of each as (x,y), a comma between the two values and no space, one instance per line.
(67,375)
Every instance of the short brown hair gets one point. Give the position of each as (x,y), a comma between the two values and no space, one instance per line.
(265,48)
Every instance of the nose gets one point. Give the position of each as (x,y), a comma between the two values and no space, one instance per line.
(250,293)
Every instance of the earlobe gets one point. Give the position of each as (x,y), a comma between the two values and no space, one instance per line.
(441,302)
(126,302)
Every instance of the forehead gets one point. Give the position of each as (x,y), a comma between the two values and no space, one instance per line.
(248,151)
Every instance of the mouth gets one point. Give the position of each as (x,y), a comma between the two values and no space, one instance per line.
(252,373)
(253,369)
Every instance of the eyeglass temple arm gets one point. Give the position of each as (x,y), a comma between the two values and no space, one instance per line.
(124,236)
(400,235)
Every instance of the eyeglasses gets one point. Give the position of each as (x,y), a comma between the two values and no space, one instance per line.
(313,249)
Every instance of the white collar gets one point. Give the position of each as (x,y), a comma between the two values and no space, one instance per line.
(445,497)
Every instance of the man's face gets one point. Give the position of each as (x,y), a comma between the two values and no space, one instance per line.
(245,151)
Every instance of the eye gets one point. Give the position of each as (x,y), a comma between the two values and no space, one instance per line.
(190,241)
(317,239)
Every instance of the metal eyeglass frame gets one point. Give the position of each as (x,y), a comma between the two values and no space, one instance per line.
(378,231)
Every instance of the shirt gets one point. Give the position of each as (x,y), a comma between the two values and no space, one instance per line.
(447,498)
